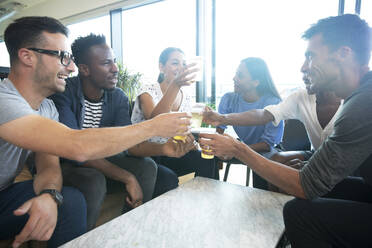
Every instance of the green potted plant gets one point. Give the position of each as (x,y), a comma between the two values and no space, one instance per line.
(129,82)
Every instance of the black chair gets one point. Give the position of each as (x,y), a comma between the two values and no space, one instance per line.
(4,71)
(295,136)
(235,161)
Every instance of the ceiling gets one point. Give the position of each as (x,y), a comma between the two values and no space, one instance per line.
(67,11)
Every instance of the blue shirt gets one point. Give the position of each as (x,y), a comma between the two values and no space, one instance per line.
(233,103)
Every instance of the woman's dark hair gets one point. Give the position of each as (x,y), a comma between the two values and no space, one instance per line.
(163,58)
(259,71)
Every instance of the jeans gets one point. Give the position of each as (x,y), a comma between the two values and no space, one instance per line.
(71,221)
(342,218)
(94,186)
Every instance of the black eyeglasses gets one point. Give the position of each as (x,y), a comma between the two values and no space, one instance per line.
(65,56)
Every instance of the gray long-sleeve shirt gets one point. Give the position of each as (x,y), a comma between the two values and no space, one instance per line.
(347,148)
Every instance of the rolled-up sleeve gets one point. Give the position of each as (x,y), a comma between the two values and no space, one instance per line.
(287,109)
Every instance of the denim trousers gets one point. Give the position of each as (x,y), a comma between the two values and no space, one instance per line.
(71,221)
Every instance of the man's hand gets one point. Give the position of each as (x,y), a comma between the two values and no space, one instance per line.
(211,117)
(134,190)
(178,149)
(42,221)
(295,163)
(171,124)
(221,145)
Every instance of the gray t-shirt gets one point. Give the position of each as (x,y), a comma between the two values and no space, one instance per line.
(14,106)
(347,148)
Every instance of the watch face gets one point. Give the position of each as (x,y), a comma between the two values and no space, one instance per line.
(58,197)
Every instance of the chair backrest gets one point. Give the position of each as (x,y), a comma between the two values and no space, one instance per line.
(4,71)
(295,136)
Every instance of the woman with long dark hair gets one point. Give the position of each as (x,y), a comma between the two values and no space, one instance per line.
(253,89)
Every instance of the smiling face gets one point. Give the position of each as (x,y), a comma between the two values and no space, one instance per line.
(102,70)
(175,63)
(321,69)
(49,73)
(242,80)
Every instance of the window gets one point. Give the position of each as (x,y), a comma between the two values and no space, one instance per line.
(349,7)
(365,13)
(149,29)
(4,55)
(100,25)
(268,29)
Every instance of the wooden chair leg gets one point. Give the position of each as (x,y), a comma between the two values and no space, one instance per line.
(248,175)
(226,172)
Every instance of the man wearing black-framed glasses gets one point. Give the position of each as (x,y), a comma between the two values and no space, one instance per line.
(66,57)
(41,209)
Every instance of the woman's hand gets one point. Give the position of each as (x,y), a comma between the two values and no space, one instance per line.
(186,76)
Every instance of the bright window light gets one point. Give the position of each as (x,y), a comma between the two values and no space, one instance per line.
(4,55)
(149,29)
(268,29)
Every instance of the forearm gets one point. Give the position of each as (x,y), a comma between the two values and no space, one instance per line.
(147,149)
(260,147)
(166,102)
(278,174)
(49,175)
(249,118)
(110,170)
(81,145)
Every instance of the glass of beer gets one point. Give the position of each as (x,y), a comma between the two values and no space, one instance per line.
(197,115)
(206,148)
(199,64)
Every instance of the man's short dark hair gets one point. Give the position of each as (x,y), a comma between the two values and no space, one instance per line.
(344,30)
(27,32)
(81,46)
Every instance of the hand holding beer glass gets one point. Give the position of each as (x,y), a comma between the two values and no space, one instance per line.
(197,63)
(205,149)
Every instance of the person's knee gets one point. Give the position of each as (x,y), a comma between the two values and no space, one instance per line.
(94,184)
(166,180)
(73,211)
(151,167)
(294,210)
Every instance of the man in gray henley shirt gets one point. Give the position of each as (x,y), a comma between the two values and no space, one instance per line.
(331,209)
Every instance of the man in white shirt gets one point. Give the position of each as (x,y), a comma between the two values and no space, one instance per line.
(314,107)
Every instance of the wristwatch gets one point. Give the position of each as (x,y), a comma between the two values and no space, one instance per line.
(57,196)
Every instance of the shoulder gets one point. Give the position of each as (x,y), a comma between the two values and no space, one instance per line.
(118,93)
(360,101)
(300,95)
(229,97)
(153,90)
(73,82)
(270,100)
(8,93)
(48,109)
